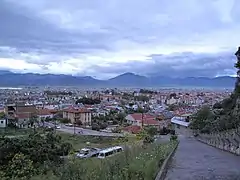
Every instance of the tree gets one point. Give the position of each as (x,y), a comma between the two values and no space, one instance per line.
(95,127)
(217,105)
(121,117)
(79,122)
(88,101)
(152,131)
(20,167)
(65,120)
(201,118)
(141,98)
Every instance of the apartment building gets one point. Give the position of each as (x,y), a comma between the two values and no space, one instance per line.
(20,112)
(78,114)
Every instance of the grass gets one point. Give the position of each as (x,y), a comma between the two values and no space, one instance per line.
(80,141)
(15,132)
(136,163)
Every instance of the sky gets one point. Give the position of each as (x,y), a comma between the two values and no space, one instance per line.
(102,39)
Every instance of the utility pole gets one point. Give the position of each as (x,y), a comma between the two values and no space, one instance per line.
(142,117)
(74,130)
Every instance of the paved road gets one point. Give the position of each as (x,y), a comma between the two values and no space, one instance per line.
(86,132)
(194,160)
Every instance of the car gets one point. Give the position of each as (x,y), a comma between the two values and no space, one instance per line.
(88,152)
(58,127)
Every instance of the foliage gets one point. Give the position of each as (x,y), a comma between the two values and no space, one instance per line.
(173,137)
(224,115)
(201,119)
(146,91)
(65,120)
(172,107)
(141,98)
(148,139)
(95,127)
(20,167)
(57,93)
(79,122)
(152,131)
(2,115)
(34,150)
(134,163)
(88,101)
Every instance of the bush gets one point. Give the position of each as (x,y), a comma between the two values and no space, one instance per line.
(148,139)
(95,127)
(21,154)
(134,163)
(103,125)
(174,138)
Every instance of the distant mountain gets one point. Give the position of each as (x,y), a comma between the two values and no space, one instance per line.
(128,79)
(124,80)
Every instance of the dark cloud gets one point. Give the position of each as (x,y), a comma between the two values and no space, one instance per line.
(178,65)
(43,32)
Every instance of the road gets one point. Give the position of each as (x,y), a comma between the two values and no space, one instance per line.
(194,160)
(86,132)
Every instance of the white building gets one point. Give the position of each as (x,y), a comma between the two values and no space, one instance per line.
(3,123)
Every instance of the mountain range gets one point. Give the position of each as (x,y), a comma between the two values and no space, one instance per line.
(124,80)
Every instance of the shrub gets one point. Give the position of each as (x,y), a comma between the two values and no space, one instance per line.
(134,163)
(95,127)
(174,138)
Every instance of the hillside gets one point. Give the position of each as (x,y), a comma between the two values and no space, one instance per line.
(223,115)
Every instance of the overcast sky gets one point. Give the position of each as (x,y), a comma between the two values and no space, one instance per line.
(104,38)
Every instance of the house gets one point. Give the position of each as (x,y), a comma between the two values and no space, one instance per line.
(3,123)
(140,119)
(78,114)
(20,113)
(45,113)
(132,129)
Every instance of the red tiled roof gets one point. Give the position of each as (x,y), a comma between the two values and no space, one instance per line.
(138,116)
(23,115)
(132,129)
(45,112)
(150,122)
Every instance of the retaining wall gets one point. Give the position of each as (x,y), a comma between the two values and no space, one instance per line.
(228,141)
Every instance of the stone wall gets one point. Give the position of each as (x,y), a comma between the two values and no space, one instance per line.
(228,141)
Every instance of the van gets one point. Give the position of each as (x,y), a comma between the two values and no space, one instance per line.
(109,152)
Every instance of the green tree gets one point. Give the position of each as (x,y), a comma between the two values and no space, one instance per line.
(121,117)
(65,120)
(20,167)
(152,131)
(201,118)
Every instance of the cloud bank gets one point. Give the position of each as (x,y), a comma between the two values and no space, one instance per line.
(110,37)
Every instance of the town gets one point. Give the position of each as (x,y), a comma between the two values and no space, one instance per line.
(103,112)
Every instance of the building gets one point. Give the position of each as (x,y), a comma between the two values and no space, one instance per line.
(3,123)
(78,114)
(19,113)
(181,126)
(139,119)
(45,113)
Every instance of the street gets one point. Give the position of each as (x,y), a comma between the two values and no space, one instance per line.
(85,132)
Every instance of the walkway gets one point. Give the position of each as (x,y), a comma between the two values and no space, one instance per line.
(194,160)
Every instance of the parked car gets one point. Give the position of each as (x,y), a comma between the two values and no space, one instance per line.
(69,124)
(88,152)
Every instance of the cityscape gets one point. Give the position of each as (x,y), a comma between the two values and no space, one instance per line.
(119,90)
